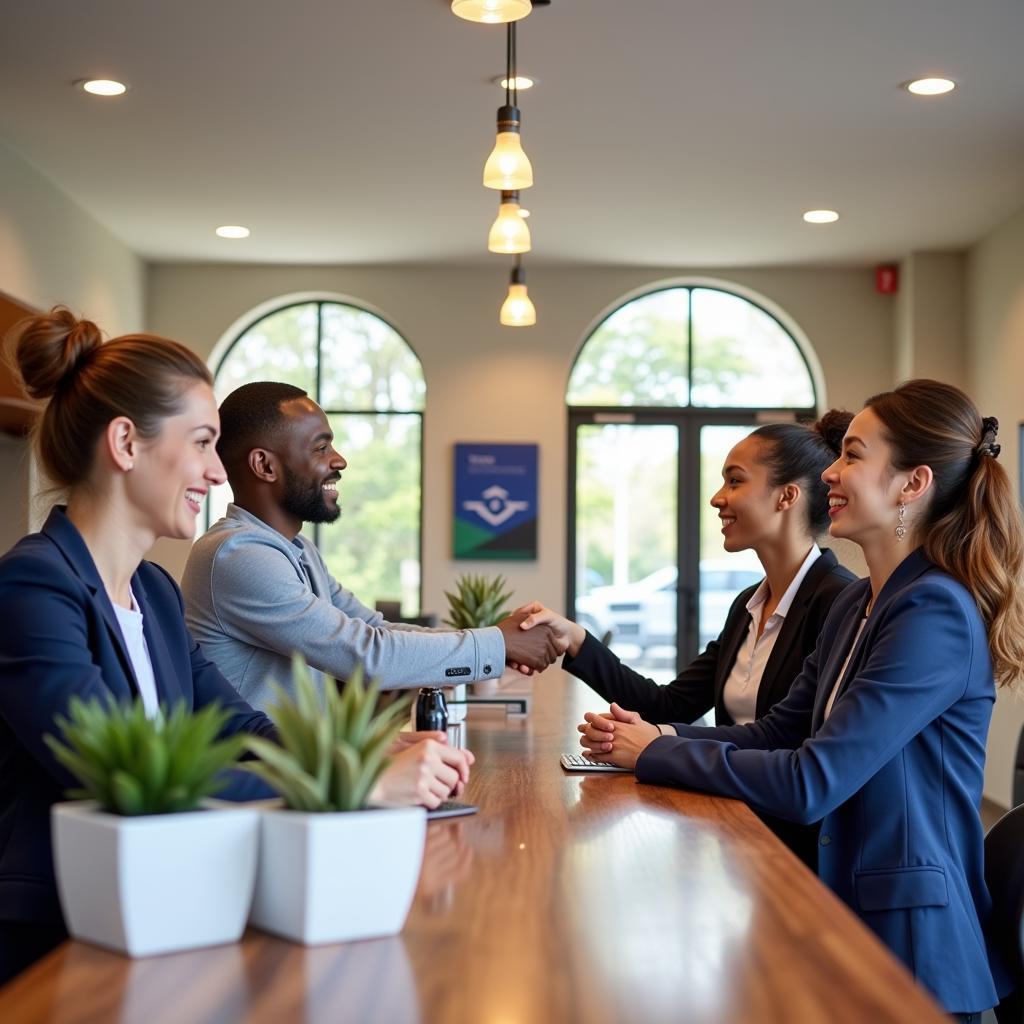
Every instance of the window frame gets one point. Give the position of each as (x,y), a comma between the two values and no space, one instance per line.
(792,331)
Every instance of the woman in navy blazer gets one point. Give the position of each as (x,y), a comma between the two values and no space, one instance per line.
(882,737)
(129,432)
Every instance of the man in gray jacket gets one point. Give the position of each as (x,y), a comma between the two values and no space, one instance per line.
(256,590)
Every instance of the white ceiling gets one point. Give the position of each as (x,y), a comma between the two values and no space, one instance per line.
(664,132)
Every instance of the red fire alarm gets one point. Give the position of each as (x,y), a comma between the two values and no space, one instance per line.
(887,279)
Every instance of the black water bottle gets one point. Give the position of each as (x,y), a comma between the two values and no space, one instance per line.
(431,710)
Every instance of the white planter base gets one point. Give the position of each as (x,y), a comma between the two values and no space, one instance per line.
(337,877)
(155,883)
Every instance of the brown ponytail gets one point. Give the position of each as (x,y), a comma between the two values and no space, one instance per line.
(972,527)
(89,383)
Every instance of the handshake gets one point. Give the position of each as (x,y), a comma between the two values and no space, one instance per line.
(535,636)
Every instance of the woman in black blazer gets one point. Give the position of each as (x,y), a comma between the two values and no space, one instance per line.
(772,501)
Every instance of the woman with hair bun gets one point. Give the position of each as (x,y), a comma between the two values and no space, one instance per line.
(129,433)
(882,737)
(772,501)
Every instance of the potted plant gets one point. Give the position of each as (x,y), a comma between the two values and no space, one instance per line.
(145,864)
(331,868)
(479,602)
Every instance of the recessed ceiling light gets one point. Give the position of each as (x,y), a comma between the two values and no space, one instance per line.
(523,213)
(930,86)
(232,231)
(103,87)
(522,82)
(821,216)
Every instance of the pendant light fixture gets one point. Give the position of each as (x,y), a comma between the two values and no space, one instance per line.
(508,167)
(517,310)
(509,232)
(491,11)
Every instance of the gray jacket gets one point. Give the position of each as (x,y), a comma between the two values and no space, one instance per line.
(252,597)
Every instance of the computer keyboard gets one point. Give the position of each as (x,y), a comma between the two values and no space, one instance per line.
(578,763)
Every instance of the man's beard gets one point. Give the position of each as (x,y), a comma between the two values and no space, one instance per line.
(304,499)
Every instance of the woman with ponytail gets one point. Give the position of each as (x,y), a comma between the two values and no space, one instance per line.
(882,737)
(128,433)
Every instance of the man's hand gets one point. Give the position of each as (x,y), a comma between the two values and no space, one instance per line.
(617,736)
(535,648)
(423,773)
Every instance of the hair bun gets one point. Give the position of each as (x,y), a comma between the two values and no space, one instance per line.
(832,428)
(50,349)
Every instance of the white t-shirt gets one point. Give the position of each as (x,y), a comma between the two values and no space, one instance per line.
(130,621)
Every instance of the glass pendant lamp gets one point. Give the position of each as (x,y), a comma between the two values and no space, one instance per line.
(509,232)
(491,12)
(508,167)
(518,310)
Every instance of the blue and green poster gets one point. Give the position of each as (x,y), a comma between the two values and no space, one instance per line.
(496,501)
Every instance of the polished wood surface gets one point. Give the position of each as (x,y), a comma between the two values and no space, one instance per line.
(567,898)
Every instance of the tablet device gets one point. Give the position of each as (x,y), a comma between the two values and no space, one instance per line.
(451,809)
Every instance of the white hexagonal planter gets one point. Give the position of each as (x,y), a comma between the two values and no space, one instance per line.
(158,882)
(339,876)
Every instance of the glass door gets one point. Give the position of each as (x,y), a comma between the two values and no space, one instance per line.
(647,571)
(626,552)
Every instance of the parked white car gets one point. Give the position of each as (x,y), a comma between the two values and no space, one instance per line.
(643,613)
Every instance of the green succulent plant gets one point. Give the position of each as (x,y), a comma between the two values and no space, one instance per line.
(130,764)
(332,751)
(480,602)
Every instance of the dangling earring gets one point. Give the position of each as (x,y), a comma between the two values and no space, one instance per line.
(901,530)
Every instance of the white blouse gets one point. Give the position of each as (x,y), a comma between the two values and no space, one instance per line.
(740,693)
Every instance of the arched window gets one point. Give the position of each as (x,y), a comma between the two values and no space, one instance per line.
(661,389)
(691,346)
(368,380)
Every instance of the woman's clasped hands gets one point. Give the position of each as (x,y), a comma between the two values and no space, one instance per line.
(616,736)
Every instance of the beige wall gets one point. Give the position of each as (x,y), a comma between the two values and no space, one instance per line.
(931,317)
(489,383)
(52,251)
(996,372)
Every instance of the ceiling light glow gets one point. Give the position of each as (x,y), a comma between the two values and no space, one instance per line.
(232,231)
(821,216)
(104,87)
(930,86)
(520,82)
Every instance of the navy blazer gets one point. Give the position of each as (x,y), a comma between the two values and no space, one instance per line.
(59,637)
(699,687)
(894,774)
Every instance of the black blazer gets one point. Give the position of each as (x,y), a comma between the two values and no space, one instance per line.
(699,687)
